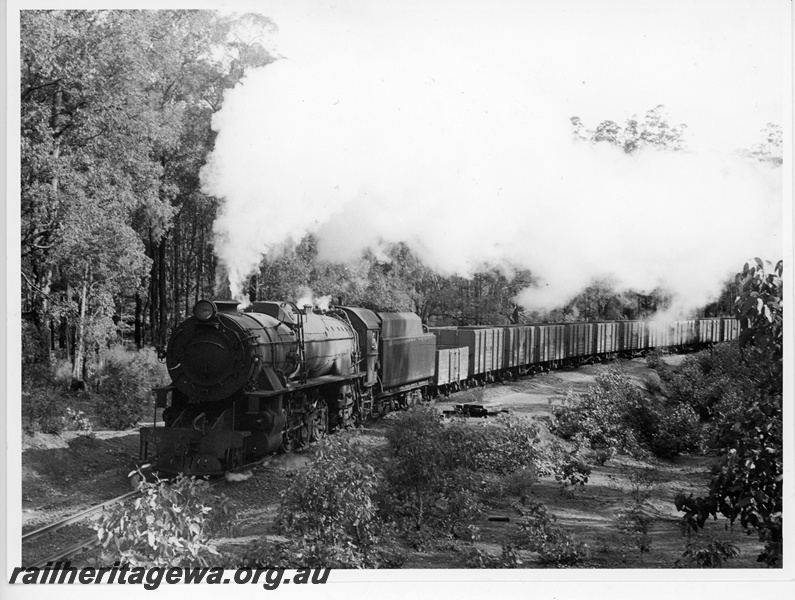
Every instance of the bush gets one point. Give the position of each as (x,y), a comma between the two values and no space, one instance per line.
(703,380)
(635,524)
(48,412)
(677,432)
(520,482)
(171,525)
(330,509)
(611,415)
(540,533)
(119,413)
(654,360)
(45,410)
(126,386)
(513,445)
(33,348)
(430,478)
(711,556)
(614,417)
(437,472)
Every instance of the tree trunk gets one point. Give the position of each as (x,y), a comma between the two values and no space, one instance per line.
(153,296)
(139,342)
(78,370)
(67,325)
(175,275)
(188,273)
(44,323)
(146,327)
(162,291)
(200,268)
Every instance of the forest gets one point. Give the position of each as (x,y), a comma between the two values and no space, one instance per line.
(117,234)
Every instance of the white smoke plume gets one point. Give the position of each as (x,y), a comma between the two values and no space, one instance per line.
(308,298)
(469,163)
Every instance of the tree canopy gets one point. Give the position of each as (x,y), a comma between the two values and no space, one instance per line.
(653,130)
(116,109)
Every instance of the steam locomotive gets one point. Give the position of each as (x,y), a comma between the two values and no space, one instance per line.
(275,376)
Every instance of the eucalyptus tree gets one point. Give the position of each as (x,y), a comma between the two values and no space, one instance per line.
(116,110)
(653,130)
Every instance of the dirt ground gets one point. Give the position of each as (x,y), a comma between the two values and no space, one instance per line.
(63,474)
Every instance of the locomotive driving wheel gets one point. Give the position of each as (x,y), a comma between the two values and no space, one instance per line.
(318,422)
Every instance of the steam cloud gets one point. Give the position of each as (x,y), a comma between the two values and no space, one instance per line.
(469,166)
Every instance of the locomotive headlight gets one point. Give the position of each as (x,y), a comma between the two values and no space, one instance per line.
(204,310)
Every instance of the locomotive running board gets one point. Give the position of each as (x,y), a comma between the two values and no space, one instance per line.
(324,379)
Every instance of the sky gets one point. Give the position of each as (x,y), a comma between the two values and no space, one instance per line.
(447,125)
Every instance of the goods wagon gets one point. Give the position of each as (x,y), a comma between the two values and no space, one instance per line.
(684,333)
(485,346)
(452,366)
(659,333)
(632,336)
(606,338)
(550,343)
(580,340)
(730,329)
(519,345)
(709,331)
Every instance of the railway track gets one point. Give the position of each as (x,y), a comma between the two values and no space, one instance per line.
(93,541)
(72,520)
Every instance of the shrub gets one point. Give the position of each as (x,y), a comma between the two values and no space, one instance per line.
(654,359)
(330,509)
(641,482)
(32,348)
(611,415)
(512,445)
(601,455)
(635,524)
(703,380)
(677,432)
(431,476)
(539,532)
(652,383)
(119,413)
(46,410)
(170,525)
(435,476)
(126,386)
(711,556)
(614,417)
(520,482)
(572,471)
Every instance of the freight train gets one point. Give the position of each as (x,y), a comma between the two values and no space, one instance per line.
(275,376)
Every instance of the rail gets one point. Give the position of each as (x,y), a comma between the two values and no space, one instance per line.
(93,541)
(81,516)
